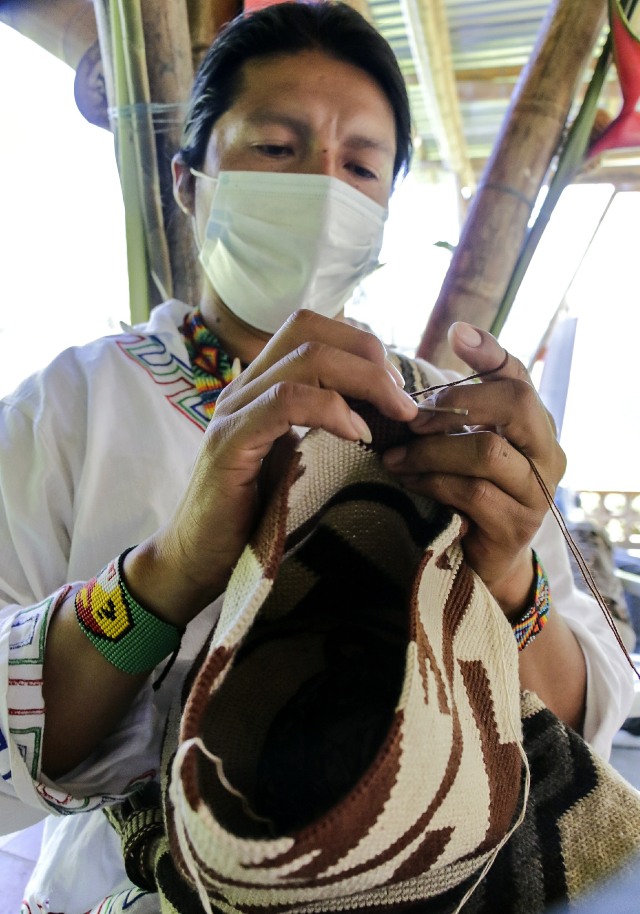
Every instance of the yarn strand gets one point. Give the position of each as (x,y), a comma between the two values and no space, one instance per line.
(571,543)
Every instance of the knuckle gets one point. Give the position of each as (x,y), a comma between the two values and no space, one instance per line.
(561,459)
(224,403)
(491,450)
(520,368)
(552,423)
(285,394)
(372,348)
(525,525)
(221,432)
(439,486)
(310,351)
(524,394)
(300,319)
(480,491)
(282,394)
(522,372)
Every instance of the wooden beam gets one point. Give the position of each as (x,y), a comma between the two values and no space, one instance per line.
(496,226)
(170,72)
(206,18)
(428,33)
(489,74)
(362,7)
(65,28)
(620,167)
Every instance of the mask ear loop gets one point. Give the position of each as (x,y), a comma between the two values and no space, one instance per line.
(194,224)
(201,174)
(571,543)
(196,234)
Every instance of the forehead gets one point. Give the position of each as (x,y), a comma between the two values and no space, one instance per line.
(320,88)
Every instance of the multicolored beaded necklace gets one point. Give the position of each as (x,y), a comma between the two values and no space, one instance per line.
(212,367)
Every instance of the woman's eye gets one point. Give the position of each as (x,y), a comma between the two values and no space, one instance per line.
(360,171)
(274,150)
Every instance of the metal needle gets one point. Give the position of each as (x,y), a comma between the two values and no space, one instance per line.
(454,410)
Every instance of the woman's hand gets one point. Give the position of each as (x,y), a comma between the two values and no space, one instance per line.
(300,379)
(482,470)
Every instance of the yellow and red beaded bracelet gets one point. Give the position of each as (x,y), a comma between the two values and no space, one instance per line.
(529,625)
(127,635)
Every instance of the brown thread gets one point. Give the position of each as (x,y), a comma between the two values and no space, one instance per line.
(582,565)
(471,377)
(571,543)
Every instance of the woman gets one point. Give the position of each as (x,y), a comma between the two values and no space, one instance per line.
(297,128)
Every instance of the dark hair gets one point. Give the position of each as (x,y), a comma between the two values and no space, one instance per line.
(288,28)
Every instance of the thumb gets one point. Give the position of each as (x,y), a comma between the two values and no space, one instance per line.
(482,352)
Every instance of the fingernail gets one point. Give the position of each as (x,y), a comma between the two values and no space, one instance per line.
(394,457)
(467,334)
(425,414)
(395,373)
(408,399)
(362,429)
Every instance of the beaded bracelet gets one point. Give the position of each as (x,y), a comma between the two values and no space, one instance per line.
(530,624)
(129,637)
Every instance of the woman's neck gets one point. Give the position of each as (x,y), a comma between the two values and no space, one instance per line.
(239,340)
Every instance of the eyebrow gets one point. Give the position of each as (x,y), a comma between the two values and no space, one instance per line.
(302,129)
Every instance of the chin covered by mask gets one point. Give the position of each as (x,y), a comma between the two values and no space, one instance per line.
(278,242)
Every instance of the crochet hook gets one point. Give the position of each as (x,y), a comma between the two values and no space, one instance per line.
(454,410)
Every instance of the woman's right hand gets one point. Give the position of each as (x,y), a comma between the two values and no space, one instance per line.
(300,378)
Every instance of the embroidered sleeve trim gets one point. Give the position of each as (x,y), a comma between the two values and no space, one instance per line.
(23,744)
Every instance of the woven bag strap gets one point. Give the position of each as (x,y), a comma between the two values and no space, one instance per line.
(139,823)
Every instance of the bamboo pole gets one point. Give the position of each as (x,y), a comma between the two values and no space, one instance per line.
(170,73)
(127,155)
(147,52)
(136,111)
(496,225)
(105,40)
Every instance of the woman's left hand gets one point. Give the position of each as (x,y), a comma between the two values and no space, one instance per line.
(481,470)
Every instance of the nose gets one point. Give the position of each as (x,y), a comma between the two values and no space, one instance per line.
(322,161)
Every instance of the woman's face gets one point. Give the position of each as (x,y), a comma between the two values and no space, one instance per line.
(305,113)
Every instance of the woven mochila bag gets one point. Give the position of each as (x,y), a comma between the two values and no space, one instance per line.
(354,739)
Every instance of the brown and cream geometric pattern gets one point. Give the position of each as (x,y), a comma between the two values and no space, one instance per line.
(353,737)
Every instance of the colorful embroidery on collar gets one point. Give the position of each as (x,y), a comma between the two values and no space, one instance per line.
(212,367)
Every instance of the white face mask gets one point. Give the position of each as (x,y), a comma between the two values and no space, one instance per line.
(277,242)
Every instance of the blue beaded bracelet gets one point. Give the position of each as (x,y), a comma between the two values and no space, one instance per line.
(529,625)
